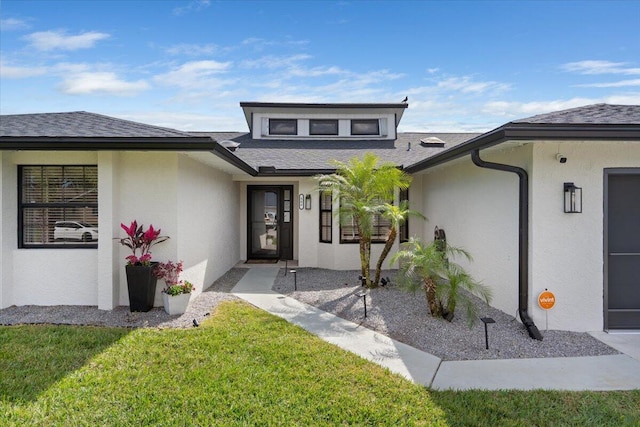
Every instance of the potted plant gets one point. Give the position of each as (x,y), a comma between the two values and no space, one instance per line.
(141,282)
(176,293)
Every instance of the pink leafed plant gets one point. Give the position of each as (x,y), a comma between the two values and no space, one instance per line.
(170,273)
(140,242)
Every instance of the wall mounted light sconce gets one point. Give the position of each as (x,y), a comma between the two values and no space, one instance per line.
(307,202)
(572,198)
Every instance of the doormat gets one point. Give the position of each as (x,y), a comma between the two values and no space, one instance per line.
(261,261)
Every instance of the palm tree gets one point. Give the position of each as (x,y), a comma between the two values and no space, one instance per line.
(363,186)
(396,215)
(429,266)
(456,279)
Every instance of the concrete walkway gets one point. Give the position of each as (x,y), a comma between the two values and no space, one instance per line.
(617,372)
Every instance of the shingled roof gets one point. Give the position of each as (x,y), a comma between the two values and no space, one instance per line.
(598,121)
(310,156)
(590,114)
(81,130)
(79,124)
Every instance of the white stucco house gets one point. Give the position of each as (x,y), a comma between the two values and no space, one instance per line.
(225,197)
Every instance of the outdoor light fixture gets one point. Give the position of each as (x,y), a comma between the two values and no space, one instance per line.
(486,320)
(363,295)
(295,280)
(572,198)
(307,201)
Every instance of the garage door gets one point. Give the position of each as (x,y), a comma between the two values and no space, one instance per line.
(622,248)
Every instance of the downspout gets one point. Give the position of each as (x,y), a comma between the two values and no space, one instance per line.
(523,239)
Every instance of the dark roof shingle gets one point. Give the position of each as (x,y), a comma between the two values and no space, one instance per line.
(605,114)
(80,124)
(316,155)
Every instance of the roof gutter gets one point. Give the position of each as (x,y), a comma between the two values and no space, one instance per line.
(523,239)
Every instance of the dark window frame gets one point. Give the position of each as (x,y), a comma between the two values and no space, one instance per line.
(403,231)
(365,121)
(25,206)
(274,122)
(380,223)
(323,121)
(326,216)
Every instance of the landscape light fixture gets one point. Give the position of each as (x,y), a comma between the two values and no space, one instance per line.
(572,198)
(486,320)
(295,280)
(363,295)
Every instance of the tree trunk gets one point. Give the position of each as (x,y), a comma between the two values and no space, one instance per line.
(385,251)
(365,258)
(435,306)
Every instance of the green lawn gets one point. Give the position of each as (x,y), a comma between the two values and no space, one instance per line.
(246,367)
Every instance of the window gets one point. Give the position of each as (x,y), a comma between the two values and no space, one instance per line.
(326,216)
(323,127)
(283,127)
(57,206)
(403,232)
(365,127)
(379,233)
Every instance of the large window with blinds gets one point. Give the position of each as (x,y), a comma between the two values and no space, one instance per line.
(379,232)
(326,216)
(58,206)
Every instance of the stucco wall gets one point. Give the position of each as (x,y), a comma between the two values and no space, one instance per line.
(43,276)
(208,239)
(478,209)
(168,190)
(567,249)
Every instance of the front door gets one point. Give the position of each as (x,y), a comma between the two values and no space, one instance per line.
(622,248)
(270,222)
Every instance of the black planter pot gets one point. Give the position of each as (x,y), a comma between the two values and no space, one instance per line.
(142,286)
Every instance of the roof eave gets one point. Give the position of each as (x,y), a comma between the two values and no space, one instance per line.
(529,132)
(64,143)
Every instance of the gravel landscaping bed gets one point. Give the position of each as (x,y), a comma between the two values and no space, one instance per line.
(405,317)
(390,311)
(121,316)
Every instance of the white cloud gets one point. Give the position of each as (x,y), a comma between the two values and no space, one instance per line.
(523,109)
(599,67)
(195,74)
(258,43)
(95,83)
(230,119)
(52,40)
(13,72)
(621,83)
(192,6)
(465,84)
(13,24)
(272,61)
(193,49)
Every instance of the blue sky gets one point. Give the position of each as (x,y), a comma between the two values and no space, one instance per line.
(465,66)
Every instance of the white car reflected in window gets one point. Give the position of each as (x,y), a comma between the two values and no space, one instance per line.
(75,231)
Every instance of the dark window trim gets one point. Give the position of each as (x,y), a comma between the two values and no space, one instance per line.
(295,126)
(357,240)
(21,206)
(332,121)
(369,121)
(403,232)
(324,210)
